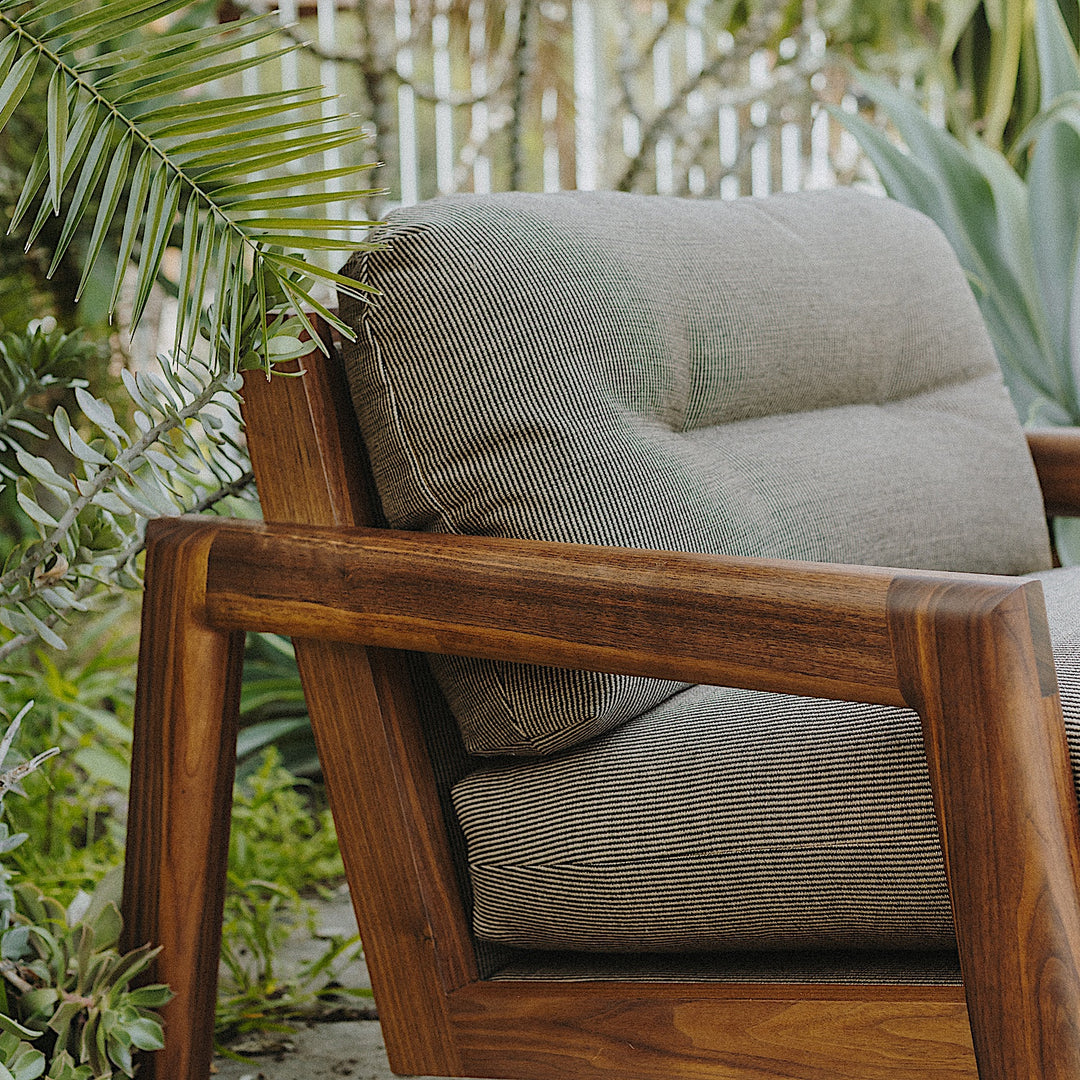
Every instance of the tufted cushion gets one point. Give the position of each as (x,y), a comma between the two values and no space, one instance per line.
(804,376)
(729,820)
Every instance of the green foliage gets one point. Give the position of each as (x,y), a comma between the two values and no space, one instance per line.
(182,454)
(83,704)
(66,1000)
(122,130)
(281,849)
(1014,224)
(1015,234)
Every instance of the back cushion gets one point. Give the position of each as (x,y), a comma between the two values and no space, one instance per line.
(804,376)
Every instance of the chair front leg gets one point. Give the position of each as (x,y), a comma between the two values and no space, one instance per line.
(183,766)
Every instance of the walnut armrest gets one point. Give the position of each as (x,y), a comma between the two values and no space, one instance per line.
(1056,453)
(971,653)
(801,628)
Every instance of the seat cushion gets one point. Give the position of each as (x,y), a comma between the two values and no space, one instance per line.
(729,820)
(804,376)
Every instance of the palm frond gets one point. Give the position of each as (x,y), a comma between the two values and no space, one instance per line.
(225,179)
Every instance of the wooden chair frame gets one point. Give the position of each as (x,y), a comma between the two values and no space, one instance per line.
(971,653)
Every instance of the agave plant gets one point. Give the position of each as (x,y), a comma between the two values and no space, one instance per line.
(1014,221)
(207,172)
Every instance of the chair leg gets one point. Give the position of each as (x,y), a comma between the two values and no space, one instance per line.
(183,765)
(985,685)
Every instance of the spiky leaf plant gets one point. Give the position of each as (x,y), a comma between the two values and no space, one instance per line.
(1014,222)
(209,173)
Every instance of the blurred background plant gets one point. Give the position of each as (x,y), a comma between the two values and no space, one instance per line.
(1012,213)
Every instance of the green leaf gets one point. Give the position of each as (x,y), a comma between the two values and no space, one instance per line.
(74,150)
(110,199)
(16,84)
(140,186)
(1058,69)
(1054,206)
(35,177)
(165,43)
(118,27)
(207,247)
(305,202)
(57,131)
(238,192)
(192,59)
(347,285)
(9,49)
(161,212)
(214,119)
(287,152)
(188,267)
(212,149)
(212,108)
(13,1027)
(93,167)
(165,87)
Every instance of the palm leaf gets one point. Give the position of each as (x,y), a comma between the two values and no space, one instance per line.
(199,153)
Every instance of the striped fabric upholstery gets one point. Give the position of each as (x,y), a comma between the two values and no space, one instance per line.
(785,377)
(729,820)
(799,377)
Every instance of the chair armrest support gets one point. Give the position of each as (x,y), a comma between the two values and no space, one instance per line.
(1056,453)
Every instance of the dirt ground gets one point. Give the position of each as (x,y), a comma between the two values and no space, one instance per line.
(345,1050)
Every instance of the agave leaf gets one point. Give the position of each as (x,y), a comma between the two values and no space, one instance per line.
(1011,205)
(1066,107)
(160,213)
(1004,309)
(959,182)
(1058,69)
(165,87)
(110,199)
(93,167)
(956,17)
(149,48)
(1054,207)
(16,84)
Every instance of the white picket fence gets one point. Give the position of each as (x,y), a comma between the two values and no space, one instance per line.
(611,95)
